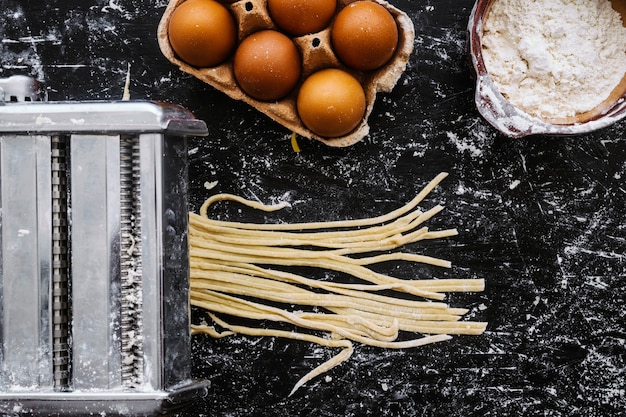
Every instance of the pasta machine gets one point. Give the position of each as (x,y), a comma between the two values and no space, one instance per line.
(94,275)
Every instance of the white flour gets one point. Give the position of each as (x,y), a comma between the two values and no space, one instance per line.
(554,58)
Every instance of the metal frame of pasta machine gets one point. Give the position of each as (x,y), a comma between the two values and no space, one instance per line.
(94,275)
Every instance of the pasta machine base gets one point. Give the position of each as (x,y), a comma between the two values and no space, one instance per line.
(94,271)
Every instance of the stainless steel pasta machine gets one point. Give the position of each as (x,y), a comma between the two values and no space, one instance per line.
(94,276)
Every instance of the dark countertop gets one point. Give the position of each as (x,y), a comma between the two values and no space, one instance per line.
(541,219)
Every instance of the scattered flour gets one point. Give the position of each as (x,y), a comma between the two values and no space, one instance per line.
(554,58)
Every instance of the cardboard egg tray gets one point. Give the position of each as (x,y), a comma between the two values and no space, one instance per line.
(316,51)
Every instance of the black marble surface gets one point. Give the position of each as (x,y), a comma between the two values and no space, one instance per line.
(542,219)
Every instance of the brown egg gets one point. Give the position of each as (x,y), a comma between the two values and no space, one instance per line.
(202,33)
(267,65)
(299,17)
(331,102)
(364,35)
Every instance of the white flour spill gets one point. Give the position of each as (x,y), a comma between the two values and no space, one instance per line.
(555,58)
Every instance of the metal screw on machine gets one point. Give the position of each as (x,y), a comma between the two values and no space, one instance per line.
(94,275)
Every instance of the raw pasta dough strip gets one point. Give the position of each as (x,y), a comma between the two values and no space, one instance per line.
(224,303)
(346,235)
(319,225)
(409,320)
(354,270)
(414,326)
(367,323)
(367,328)
(330,263)
(409,287)
(362,330)
(253,331)
(357,240)
(287,252)
(201,271)
(307,298)
(388,231)
(355,290)
(233,306)
(209,330)
(221,303)
(342,356)
(360,244)
(254,270)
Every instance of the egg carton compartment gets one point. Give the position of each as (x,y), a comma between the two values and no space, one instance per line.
(316,53)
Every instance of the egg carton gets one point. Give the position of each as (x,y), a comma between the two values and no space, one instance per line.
(317,53)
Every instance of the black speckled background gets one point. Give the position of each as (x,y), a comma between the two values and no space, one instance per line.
(541,219)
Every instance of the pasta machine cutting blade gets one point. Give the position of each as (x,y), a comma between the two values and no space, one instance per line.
(94,275)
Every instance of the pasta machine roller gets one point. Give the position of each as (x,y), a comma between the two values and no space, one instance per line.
(94,275)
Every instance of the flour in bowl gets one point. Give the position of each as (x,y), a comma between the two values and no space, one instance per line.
(554,58)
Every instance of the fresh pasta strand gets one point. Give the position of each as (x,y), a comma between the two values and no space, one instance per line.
(342,356)
(387,236)
(301,237)
(335,264)
(238,270)
(330,302)
(275,280)
(318,225)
